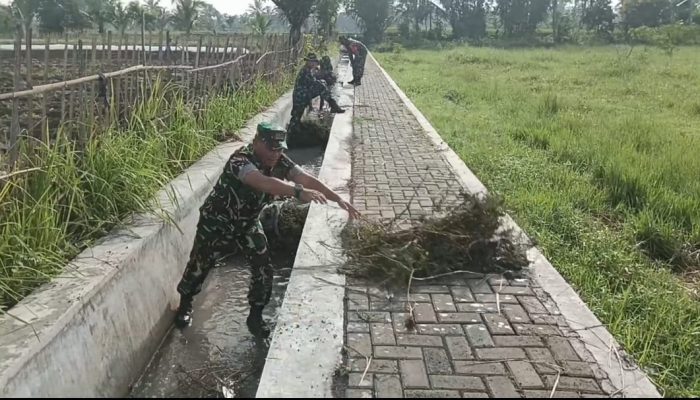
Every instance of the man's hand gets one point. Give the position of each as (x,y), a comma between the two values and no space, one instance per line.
(310,195)
(352,211)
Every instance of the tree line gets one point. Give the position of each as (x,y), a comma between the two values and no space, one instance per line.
(457,19)
(475,19)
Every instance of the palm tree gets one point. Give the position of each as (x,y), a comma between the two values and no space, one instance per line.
(99,12)
(296,12)
(259,22)
(186,14)
(121,18)
(326,12)
(25,11)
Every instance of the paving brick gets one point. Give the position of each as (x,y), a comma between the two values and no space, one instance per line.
(369,316)
(524,374)
(436,361)
(580,349)
(520,282)
(498,324)
(388,386)
(475,395)
(440,329)
(462,318)
(545,319)
(462,294)
(561,349)
(578,369)
(431,289)
(424,313)
(459,348)
(399,322)
(538,330)
(388,305)
(575,384)
(360,344)
(501,386)
(532,305)
(501,353)
(358,394)
(479,368)
(355,377)
(415,298)
(545,394)
(379,366)
(491,298)
(408,339)
(514,290)
(543,361)
(479,286)
(397,352)
(517,341)
(515,313)
(358,327)
(456,382)
(357,301)
(478,335)
(383,334)
(443,303)
(430,394)
(413,374)
(477,307)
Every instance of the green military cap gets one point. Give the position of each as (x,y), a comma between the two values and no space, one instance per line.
(273,135)
(311,57)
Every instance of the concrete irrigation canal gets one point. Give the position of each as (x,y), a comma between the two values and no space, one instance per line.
(105,327)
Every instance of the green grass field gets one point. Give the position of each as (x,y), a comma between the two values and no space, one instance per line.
(597,154)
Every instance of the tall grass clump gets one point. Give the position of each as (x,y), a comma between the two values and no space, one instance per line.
(69,197)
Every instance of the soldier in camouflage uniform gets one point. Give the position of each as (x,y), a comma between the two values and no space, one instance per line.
(251,179)
(357,52)
(306,88)
(326,74)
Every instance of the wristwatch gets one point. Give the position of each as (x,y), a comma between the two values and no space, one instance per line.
(298,188)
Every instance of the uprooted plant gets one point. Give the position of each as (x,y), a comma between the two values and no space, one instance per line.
(467,237)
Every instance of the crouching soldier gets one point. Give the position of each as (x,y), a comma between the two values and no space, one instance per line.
(306,88)
(253,176)
(327,75)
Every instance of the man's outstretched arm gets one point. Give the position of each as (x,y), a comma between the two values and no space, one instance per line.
(308,181)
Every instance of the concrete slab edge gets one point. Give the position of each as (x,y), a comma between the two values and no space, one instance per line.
(627,378)
(91,330)
(306,346)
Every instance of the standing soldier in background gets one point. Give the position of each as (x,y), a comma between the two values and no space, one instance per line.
(357,52)
(250,180)
(306,88)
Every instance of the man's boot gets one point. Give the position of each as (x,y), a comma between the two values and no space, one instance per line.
(183,318)
(256,324)
(335,108)
(352,82)
(357,81)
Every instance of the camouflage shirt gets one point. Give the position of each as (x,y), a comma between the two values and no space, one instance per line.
(307,86)
(232,202)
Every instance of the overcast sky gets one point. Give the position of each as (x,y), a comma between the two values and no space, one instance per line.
(224,6)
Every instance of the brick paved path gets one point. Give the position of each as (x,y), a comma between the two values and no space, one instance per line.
(463,346)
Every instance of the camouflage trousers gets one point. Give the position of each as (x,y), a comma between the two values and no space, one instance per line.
(212,236)
(300,102)
(358,67)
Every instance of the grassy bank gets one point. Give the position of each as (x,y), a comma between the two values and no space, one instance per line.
(49,215)
(596,153)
